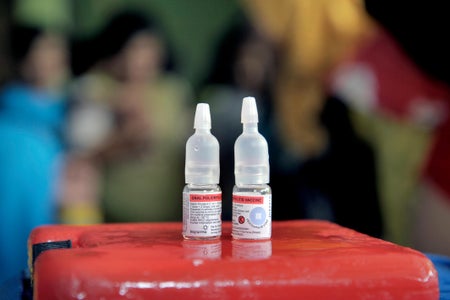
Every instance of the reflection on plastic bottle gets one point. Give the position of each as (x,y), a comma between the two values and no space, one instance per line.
(202,249)
(251,250)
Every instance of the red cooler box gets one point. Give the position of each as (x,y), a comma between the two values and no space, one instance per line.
(303,260)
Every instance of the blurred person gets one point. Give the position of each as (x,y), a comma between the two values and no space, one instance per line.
(422,101)
(397,93)
(321,168)
(129,121)
(243,66)
(312,36)
(32,110)
(391,104)
(78,191)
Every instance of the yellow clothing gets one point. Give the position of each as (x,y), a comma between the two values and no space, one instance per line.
(313,35)
(400,149)
(148,186)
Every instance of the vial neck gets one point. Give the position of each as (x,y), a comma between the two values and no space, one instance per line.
(250,127)
(202,185)
(202,130)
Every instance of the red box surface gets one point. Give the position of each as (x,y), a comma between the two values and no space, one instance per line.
(304,260)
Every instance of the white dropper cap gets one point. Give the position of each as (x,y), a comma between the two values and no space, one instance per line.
(202,119)
(202,150)
(249,113)
(251,152)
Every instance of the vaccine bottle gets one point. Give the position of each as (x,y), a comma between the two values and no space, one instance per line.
(252,196)
(202,196)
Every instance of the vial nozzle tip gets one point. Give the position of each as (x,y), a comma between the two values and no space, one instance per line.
(202,119)
(249,112)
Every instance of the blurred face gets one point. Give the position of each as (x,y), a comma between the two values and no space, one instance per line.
(142,57)
(46,63)
(253,65)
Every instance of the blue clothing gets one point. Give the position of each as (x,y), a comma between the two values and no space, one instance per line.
(30,121)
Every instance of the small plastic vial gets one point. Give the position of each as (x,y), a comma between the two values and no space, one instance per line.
(202,197)
(252,196)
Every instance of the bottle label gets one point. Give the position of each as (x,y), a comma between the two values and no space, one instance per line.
(202,214)
(252,216)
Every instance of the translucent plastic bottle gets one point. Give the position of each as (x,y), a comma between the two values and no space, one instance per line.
(252,196)
(202,197)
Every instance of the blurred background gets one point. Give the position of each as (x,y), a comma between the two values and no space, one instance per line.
(97,100)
